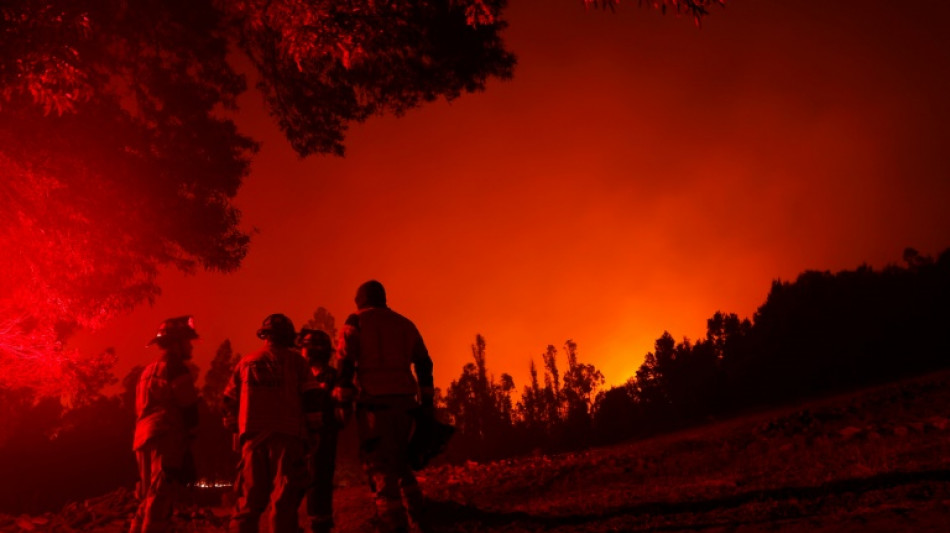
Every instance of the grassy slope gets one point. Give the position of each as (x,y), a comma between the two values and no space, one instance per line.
(874,460)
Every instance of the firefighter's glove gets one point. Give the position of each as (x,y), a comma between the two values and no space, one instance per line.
(343,412)
(344,394)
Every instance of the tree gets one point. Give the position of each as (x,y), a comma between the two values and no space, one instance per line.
(481,409)
(117,159)
(90,375)
(323,321)
(217,376)
(530,409)
(551,395)
(581,382)
(129,385)
(616,413)
(695,8)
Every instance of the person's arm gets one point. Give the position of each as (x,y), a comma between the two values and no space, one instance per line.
(422,364)
(231,400)
(309,396)
(347,352)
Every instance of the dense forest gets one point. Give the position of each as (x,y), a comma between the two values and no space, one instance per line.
(821,333)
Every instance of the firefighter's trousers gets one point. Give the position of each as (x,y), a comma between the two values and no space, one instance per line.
(160,462)
(271,477)
(385,425)
(321,463)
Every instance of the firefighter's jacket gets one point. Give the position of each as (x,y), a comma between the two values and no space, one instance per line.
(378,350)
(272,391)
(165,401)
(324,406)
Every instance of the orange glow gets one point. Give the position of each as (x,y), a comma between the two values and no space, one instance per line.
(636,176)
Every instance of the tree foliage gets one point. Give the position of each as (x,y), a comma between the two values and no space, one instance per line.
(491,424)
(480,407)
(324,321)
(118,155)
(697,9)
(217,376)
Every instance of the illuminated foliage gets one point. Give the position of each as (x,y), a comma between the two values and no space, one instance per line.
(114,163)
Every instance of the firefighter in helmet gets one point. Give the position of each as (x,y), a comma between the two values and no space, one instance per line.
(317,349)
(379,352)
(166,408)
(269,402)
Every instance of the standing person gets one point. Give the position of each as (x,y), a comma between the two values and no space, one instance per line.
(321,459)
(269,403)
(166,409)
(379,349)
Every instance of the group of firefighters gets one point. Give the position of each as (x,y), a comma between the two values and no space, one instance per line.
(286,403)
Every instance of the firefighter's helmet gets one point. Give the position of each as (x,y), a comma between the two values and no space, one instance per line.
(313,338)
(182,327)
(278,327)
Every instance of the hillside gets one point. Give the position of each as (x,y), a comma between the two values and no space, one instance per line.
(875,460)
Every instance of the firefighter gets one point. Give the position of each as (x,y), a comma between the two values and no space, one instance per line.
(321,458)
(269,402)
(166,408)
(378,351)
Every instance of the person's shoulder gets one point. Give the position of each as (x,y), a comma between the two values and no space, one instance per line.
(286,353)
(353,321)
(387,312)
(259,353)
(403,319)
(384,315)
(152,368)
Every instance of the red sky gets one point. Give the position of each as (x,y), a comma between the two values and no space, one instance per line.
(636,176)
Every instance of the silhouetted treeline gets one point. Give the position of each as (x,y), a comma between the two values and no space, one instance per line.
(491,424)
(820,334)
